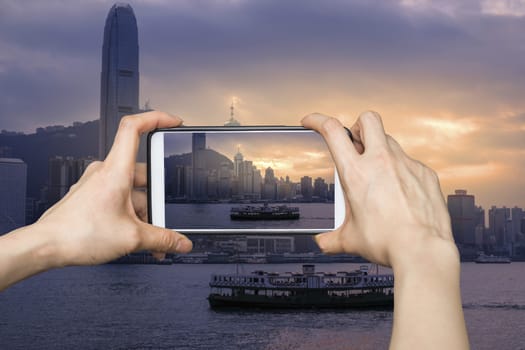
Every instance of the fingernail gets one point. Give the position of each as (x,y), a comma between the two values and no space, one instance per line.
(318,239)
(184,245)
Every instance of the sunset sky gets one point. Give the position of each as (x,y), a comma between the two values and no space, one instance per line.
(288,154)
(447,76)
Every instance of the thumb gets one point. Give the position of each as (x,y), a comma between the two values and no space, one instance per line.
(330,242)
(159,239)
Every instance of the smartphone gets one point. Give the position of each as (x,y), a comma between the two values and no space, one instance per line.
(243,180)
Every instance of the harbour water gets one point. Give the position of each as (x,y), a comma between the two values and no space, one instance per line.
(165,307)
(189,215)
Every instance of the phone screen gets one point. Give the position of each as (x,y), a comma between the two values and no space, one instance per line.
(235,181)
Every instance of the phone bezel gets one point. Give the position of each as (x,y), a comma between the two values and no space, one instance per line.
(156,191)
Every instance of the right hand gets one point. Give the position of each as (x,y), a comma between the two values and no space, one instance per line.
(395,212)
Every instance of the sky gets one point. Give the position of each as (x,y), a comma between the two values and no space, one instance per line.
(447,76)
(290,154)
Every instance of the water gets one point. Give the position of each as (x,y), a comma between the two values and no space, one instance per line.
(165,307)
(217,216)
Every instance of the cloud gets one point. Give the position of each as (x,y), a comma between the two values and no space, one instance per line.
(514,8)
(447,76)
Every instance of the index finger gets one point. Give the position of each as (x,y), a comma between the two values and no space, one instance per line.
(335,136)
(124,150)
(370,130)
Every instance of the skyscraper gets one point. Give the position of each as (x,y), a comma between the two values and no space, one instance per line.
(517,216)
(119,89)
(63,172)
(270,185)
(13,174)
(200,170)
(463,218)
(306,187)
(499,220)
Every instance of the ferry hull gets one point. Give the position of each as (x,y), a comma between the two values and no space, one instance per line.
(362,301)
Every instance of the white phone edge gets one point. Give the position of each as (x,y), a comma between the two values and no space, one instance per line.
(157,194)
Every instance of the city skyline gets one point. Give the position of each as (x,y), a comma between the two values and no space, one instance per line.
(446,76)
(206,175)
(304,154)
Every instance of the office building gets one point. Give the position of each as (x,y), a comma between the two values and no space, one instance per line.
(63,172)
(119,90)
(462,210)
(320,188)
(225,180)
(517,217)
(270,185)
(306,188)
(270,244)
(199,166)
(13,186)
(498,227)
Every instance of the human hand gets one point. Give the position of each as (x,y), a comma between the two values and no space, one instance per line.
(104,216)
(396,216)
(395,211)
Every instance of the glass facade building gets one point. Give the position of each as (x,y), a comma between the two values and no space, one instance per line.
(119,91)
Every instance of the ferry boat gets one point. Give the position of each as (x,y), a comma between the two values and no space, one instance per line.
(264,212)
(491,259)
(309,289)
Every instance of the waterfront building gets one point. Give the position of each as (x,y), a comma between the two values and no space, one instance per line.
(176,184)
(225,180)
(257,183)
(479,220)
(237,164)
(320,188)
(463,217)
(306,188)
(517,217)
(119,90)
(212,188)
(331,192)
(498,218)
(199,169)
(247,184)
(270,244)
(270,185)
(284,189)
(13,187)
(64,172)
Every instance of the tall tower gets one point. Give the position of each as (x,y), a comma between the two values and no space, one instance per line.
(119,88)
(200,171)
(462,210)
(232,121)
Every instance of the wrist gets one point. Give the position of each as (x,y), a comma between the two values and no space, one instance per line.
(431,256)
(26,251)
(45,248)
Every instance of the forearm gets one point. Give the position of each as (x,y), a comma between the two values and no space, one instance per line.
(25,252)
(428,312)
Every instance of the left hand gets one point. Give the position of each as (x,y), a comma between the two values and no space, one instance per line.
(103,216)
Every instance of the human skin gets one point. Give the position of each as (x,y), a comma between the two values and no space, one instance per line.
(396,216)
(101,218)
